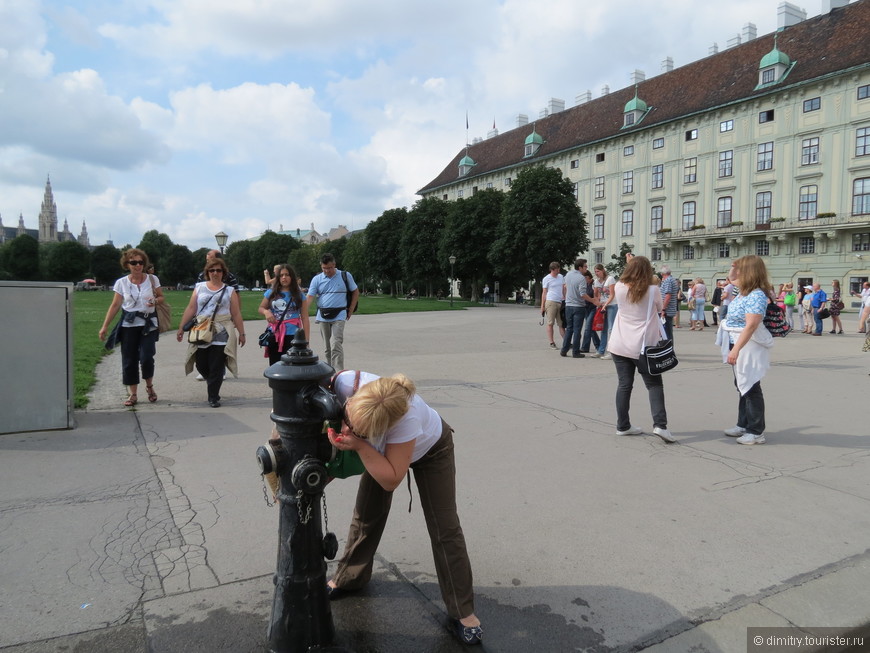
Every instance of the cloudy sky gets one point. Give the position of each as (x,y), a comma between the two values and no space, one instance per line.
(196,116)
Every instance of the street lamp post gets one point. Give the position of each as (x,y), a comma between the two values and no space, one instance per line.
(452,260)
(221,239)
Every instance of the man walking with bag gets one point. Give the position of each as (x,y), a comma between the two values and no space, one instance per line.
(337,295)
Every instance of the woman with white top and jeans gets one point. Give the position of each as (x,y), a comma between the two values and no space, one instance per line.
(637,325)
(746,345)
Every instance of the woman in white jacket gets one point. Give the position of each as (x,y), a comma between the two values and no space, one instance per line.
(746,345)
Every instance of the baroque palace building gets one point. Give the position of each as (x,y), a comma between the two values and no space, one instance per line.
(47,226)
(763,148)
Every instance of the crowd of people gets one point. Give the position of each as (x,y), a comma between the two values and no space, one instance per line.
(621,318)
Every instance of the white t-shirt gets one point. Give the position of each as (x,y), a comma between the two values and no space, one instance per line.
(138,298)
(421,423)
(553,286)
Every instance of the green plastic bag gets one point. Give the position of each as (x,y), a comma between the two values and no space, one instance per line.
(344,464)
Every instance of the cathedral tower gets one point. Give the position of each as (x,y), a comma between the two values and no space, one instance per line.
(48,216)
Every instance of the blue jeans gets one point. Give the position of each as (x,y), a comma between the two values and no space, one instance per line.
(669,326)
(698,311)
(609,319)
(817,320)
(589,335)
(574,316)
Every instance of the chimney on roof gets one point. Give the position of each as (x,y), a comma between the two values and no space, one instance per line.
(543,113)
(714,49)
(476,140)
(750,32)
(583,98)
(827,5)
(522,120)
(668,64)
(492,133)
(733,41)
(788,14)
(637,76)
(556,105)
(605,90)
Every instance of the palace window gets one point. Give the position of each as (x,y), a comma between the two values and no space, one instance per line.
(808,203)
(598,226)
(658,143)
(861,196)
(861,242)
(813,104)
(688,252)
(762,248)
(628,222)
(726,125)
(628,182)
(864,92)
(658,176)
(692,135)
(726,163)
(723,213)
(807,245)
(765,156)
(810,151)
(689,214)
(628,150)
(766,116)
(862,141)
(724,250)
(656,219)
(763,204)
(599,188)
(690,171)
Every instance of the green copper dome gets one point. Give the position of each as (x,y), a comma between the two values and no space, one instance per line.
(774,57)
(635,104)
(534,138)
(467,161)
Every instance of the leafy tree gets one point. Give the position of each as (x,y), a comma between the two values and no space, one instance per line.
(199,259)
(268,250)
(156,245)
(306,262)
(355,260)
(177,266)
(469,230)
(541,222)
(239,257)
(105,264)
(383,237)
(22,258)
(619,260)
(419,258)
(67,261)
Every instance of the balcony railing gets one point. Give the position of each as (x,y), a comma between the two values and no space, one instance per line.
(777,225)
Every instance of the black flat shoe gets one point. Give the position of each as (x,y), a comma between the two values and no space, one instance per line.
(214,403)
(468,635)
(336,593)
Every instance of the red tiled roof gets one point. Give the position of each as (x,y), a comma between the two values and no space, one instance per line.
(820,46)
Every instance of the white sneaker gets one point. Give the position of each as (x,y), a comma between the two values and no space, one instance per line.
(751,438)
(735,431)
(595,355)
(199,377)
(633,430)
(606,357)
(664,434)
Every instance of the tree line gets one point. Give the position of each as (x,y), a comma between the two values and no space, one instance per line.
(506,237)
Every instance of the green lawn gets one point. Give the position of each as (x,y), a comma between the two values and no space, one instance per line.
(89,310)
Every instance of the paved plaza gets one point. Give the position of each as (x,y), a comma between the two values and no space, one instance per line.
(147,531)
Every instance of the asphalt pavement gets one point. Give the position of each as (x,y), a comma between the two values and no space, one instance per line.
(147,529)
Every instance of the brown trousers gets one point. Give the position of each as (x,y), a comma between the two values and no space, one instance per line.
(435,474)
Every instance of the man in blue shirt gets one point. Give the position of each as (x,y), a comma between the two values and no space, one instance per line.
(337,296)
(818,303)
(670,290)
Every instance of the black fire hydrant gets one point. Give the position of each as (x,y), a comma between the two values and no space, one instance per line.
(301,617)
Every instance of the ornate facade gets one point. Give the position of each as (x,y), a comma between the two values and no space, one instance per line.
(763,148)
(46,232)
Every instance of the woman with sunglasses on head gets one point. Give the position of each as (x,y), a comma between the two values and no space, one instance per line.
(393,429)
(282,307)
(214,297)
(136,296)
